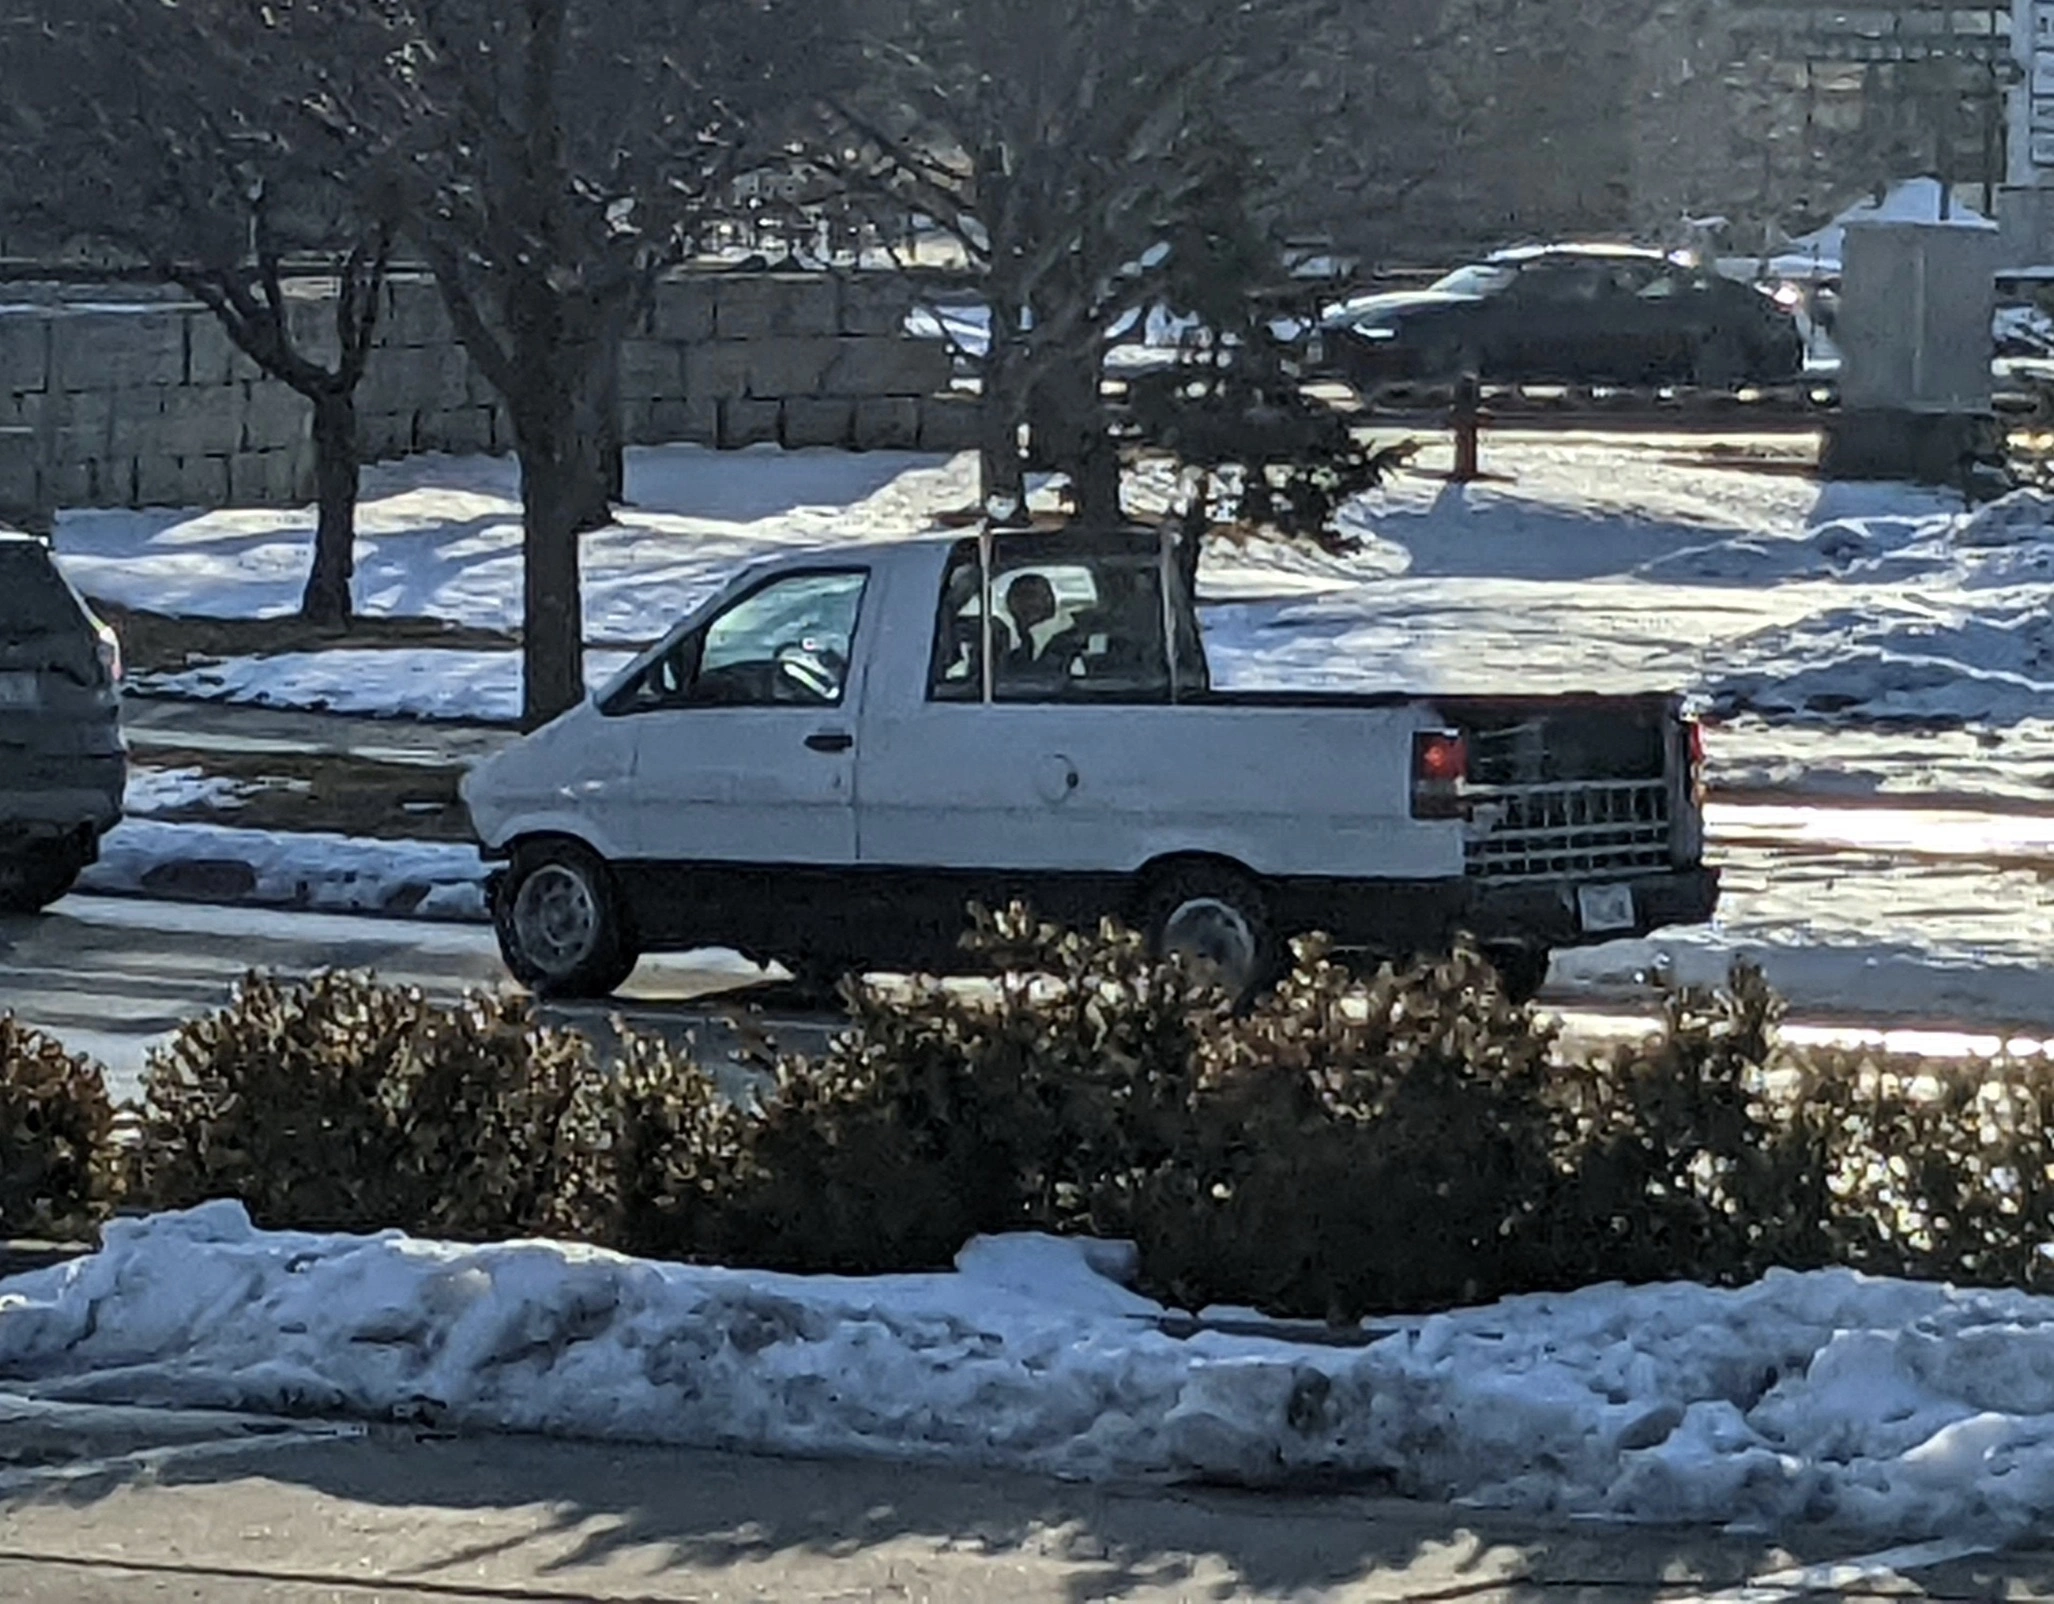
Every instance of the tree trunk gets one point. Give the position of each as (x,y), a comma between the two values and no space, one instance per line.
(556,482)
(1072,433)
(599,420)
(326,600)
(1000,413)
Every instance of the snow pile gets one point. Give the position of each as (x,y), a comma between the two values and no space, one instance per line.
(2021,518)
(1897,661)
(1895,1409)
(314,872)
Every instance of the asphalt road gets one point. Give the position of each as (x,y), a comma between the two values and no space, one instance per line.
(100,1505)
(110,976)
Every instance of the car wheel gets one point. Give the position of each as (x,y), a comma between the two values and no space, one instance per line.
(1522,969)
(1721,363)
(31,884)
(560,923)
(1218,920)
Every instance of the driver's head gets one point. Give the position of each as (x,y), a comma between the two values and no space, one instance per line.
(1031,599)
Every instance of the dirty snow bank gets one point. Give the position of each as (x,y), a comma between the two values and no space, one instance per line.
(305,870)
(1892,1408)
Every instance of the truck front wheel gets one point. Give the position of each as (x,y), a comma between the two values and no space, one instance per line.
(560,924)
(1219,920)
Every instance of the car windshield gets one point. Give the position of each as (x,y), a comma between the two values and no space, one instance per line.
(1481,278)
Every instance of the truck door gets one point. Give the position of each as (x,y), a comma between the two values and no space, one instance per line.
(744,744)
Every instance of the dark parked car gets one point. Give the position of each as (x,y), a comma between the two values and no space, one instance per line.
(62,762)
(1567,314)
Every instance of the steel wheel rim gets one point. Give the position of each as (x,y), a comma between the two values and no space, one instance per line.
(556,919)
(1213,934)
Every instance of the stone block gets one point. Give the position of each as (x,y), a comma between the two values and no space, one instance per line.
(650,369)
(875,304)
(788,367)
(695,419)
(414,314)
(211,357)
(24,350)
(310,323)
(159,482)
(425,378)
(106,350)
(383,435)
(744,422)
(762,306)
(460,431)
(274,416)
(71,482)
(197,422)
(949,423)
(682,311)
(203,481)
(23,501)
(714,372)
(877,365)
(262,479)
(887,423)
(815,421)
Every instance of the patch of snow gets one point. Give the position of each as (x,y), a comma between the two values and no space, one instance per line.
(319,873)
(169,790)
(395,682)
(441,536)
(1894,1410)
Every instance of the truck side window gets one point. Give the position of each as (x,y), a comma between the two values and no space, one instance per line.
(786,643)
(1087,629)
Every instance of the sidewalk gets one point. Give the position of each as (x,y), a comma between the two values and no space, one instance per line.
(395,1515)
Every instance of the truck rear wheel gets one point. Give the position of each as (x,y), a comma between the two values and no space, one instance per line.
(560,923)
(1218,919)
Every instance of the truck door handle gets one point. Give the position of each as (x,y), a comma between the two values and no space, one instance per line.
(830,740)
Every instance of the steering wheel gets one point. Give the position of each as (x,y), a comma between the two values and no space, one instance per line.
(808,672)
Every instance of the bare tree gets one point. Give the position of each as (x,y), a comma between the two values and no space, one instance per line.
(171,136)
(559,155)
(1052,138)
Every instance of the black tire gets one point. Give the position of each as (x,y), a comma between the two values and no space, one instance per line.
(1721,363)
(560,921)
(1218,914)
(1522,969)
(30,883)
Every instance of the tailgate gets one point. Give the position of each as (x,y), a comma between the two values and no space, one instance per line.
(1583,787)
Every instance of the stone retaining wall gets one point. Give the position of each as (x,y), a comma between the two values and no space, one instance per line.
(145,402)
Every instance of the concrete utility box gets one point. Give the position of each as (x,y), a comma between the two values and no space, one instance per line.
(1916,301)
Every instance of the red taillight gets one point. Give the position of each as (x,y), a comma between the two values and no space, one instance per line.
(1440,762)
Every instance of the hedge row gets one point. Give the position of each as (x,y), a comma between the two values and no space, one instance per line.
(1347,1145)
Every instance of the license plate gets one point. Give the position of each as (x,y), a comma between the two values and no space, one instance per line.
(1605,907)
(21,690)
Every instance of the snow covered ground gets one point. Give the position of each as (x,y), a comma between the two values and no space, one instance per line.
(1595,563)
(1891,1410)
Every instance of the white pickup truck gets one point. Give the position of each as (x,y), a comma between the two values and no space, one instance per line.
(827,761)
